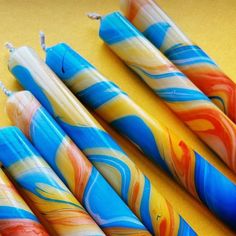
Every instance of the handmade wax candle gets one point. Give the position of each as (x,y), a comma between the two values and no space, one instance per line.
(21,104)
(42,186)
(134,188)
(16,218)
(156,140)
(37,77)
(172,86)
(188,57)
(70,164)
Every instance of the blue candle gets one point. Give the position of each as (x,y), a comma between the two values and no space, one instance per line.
(42,186)
(134,188)
(36,76)
(118,109)
(69,163)
(190,104)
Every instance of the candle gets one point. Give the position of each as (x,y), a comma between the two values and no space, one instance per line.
(187,56)
(16,218)
(134,188)
(207,121)
(119,110)
(41,185)
(91,138)
(69,163)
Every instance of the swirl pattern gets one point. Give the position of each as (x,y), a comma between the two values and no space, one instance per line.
(133,187)
(85,182)
(16,218)
(194,108)
(45,190)
(152,137)
(189,58)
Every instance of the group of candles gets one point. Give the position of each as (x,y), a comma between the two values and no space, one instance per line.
(71,172)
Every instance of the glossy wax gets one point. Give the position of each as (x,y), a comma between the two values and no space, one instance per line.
(70,164)
(16,218)
(91,138)
(150,19)
(194,108)
(152,137)
(42,186)
(83,179)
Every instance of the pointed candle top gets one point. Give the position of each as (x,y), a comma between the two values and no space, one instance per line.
(42,40)
(9,46)
(94,16)
(5,90)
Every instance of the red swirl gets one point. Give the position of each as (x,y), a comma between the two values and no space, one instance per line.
(20,227)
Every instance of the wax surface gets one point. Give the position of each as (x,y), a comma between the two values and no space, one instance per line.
(192,107)
(187,56)
(210,24)
(145,201)
(45,190)
(85,182)
(16,218)
(37,77)
(153,138)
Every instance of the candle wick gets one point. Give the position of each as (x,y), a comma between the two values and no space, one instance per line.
(42,40)
(5,90)
(94,16)
(9,46)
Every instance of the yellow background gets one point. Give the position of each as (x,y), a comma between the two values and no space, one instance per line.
(211,24)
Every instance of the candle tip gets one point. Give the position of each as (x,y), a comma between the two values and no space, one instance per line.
(9,46)
(5,90)
(94,16)
(42,40)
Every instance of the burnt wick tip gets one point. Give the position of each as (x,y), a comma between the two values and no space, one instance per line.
(94,16)
(5,90)
(9,46)
(42,40)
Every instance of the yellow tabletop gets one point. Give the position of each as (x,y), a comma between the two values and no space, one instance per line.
(211,24)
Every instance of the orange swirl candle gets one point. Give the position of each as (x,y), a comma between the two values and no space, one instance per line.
(194,108)
(25,112)
(71,165)
(16,218)
(101,149)
(36,76)
(152,137)
(148,17)
(44,189)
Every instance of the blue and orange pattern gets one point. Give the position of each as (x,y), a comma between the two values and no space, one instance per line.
(70,164)
(42,186)
(16,218)
(148,17)
(194,108)
(160,144)
(134,188)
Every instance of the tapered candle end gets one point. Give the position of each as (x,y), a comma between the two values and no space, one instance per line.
(94,16)
(5,90)
(42,40)
(9,46)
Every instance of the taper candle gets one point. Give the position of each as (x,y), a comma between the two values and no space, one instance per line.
(194,108)
(42,186)
(70,164)
(16,218)
(156,140)
(148,17)
(129,182)
(34,122)
(91,138)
